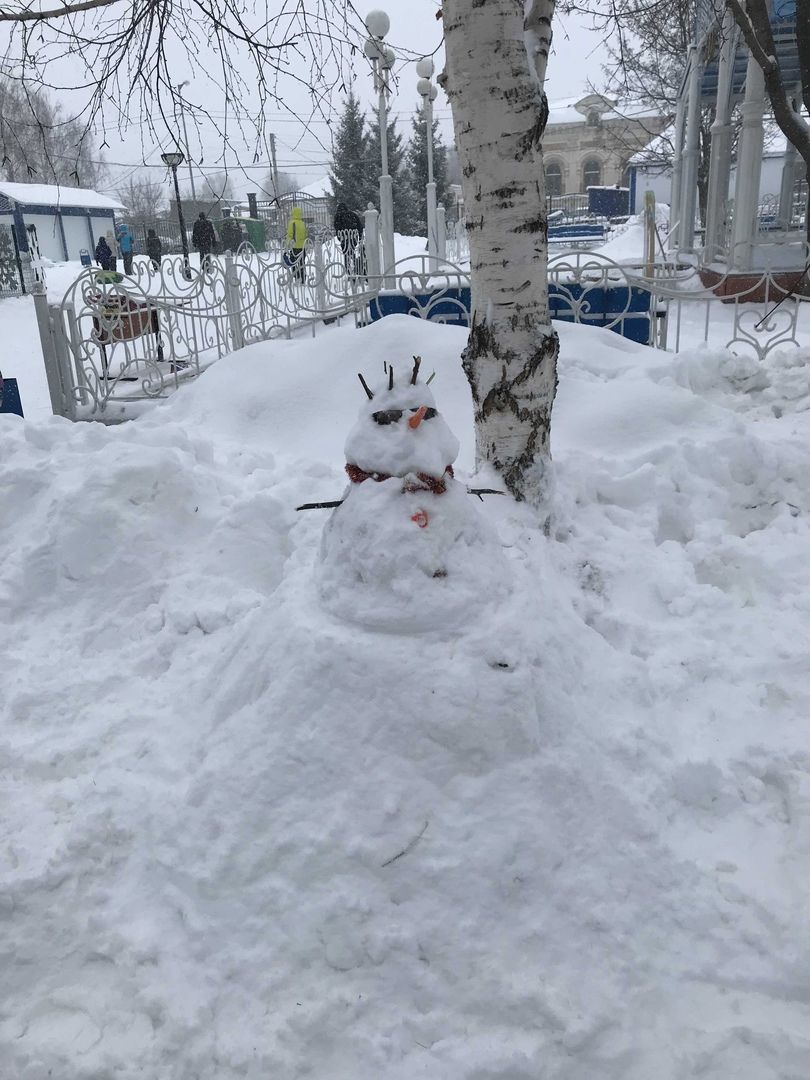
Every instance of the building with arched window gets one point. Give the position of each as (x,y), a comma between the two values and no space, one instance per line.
(589,140)
(554,177)
(591,173)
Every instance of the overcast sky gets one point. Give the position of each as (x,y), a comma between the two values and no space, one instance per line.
(577,57)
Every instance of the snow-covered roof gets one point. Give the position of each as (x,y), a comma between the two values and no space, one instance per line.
(565,111)
(57,195)
(318,189)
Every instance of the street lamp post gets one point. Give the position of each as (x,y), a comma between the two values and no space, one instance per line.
(382,60)
(428,92)
(185,138)
(173,159)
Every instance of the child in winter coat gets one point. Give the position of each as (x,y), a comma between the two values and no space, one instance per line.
(104,257)
(154,249)
(112,244)
(297,234)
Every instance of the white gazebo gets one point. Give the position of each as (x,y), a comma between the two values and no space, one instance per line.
(720,71)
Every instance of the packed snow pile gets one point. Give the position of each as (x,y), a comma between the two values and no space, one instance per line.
(628,244)
(564,837)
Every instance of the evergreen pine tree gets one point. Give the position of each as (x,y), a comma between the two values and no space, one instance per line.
(352,180)
(403,190)
(417,167)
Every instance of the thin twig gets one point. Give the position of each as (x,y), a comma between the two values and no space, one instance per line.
(406,850)
(365,386)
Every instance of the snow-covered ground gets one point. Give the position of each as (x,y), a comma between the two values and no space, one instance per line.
(565,836)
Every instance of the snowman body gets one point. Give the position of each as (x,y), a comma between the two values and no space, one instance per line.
(407,547)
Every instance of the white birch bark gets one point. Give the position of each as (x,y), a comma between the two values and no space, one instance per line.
(496,60)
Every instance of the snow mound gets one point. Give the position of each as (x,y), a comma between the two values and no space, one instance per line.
(559,835)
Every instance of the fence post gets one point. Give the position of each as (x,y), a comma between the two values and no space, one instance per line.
(372,244)
(49,351)
(441,233)
(233,303)
(320,284)
(649,232)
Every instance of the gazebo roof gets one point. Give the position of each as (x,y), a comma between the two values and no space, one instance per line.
(783,24)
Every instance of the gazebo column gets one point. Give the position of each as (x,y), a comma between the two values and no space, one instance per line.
(788,179)
(691,152)
(675,189)
(749,167)
(720,159)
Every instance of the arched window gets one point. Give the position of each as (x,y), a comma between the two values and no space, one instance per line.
(554,183)
(591,173)
(594,119)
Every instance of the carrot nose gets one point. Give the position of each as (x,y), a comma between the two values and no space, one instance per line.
(417,417)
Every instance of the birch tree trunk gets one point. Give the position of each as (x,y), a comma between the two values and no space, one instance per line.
(497,52)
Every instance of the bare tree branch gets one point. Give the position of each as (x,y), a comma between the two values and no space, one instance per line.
(31,15)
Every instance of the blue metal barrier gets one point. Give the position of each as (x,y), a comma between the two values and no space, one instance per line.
(624,309)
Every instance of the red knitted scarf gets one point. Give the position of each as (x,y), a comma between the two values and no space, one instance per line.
(426,482)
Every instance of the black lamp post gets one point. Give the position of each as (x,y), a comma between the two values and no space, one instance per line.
(174,159)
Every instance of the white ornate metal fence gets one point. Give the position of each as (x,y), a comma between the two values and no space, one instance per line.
(124,339)
(114,340)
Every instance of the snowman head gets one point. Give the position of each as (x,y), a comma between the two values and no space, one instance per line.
(399,430)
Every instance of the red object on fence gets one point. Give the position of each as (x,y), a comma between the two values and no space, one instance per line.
(124,319)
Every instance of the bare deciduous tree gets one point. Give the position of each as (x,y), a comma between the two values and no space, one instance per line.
(647,45)
(144,198)
(128,52)
(38,143)
(287,181)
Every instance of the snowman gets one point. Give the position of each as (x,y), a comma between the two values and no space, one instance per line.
(406,547)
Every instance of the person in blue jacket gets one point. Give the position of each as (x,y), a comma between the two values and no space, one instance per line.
(124,238)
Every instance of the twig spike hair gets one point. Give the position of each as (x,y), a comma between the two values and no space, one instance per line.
(417,360)
(430,380)
(390,376)
(385,367)
(365,386)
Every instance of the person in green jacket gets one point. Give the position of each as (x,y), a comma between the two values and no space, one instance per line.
(297,238)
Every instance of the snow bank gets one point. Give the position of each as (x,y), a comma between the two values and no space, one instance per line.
(628,245)
(246,839)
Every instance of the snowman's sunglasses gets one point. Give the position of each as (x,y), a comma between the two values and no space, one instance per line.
(391,416)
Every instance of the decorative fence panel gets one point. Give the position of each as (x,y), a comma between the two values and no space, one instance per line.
(115,339)
(18,269)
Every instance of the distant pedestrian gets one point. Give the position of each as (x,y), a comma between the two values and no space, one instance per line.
(203,239)
(104,257)
(349,231)
(112,244)
(154,248)
(297,238)
(125,245)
